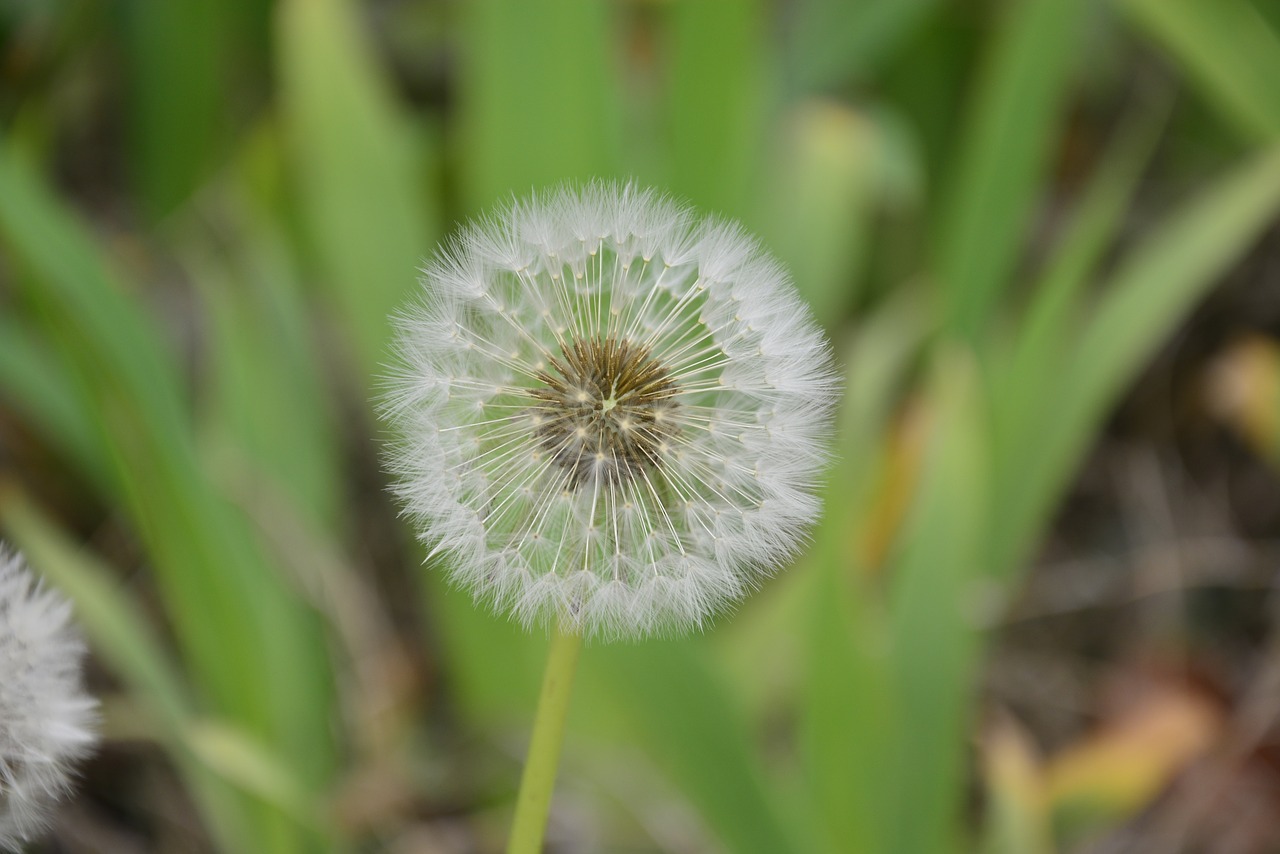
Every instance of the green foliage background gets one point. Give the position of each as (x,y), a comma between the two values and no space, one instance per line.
(209,208)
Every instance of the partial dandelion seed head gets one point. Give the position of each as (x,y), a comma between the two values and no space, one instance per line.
(46,718)
(610,414)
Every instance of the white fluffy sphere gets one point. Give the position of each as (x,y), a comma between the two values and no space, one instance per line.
(610,413)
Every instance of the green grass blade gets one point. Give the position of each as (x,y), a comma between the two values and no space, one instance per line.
(1025,391)
(178,100)
(255,651)
(688,724)
(833,41)
(834,168)
(715,108)
(211,754)
(1002,153)
(360,178)
(848,725)
(124,381)
(1143,301)
(33,383)
(117,629)
(847,722)
(118,633)
(1161,280)
(934,639)
(538,96)
(271,420)
(1228,48)
(244,761)
(1093,227)
(472,638)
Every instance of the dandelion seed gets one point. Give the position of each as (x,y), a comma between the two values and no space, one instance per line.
(611,415)
(45,717)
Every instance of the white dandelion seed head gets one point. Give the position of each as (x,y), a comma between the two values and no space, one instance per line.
(46,719)
(610,414)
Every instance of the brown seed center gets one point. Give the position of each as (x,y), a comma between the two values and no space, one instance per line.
(606,412)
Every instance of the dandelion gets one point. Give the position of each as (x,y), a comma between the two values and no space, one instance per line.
(612,414)
(45,717)
(612,417)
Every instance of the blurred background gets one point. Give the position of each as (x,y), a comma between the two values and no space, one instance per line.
(1040,613)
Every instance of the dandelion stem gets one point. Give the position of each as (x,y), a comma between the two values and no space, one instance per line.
(539,778)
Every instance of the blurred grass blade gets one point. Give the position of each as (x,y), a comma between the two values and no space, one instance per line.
(538,96)
(716,114)
(472,637)
(360,180)
(118,633)
(1093,226)
(848,726)
(834,167)
(1143,301)
(32,382)
(1025,393)
(178,98)
(124,378)
(121,377)
(268,416)
(1160,281)
(1228,48)
(268,406)
(847,723)
(834,41)
(253,648)
(685,720)
(118,630)
(1011,123)
(237,758)
(934,636)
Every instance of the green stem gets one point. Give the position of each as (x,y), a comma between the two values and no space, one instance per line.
(539,778)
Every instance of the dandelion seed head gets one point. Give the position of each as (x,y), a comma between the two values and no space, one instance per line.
(611,414)
(46,719)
